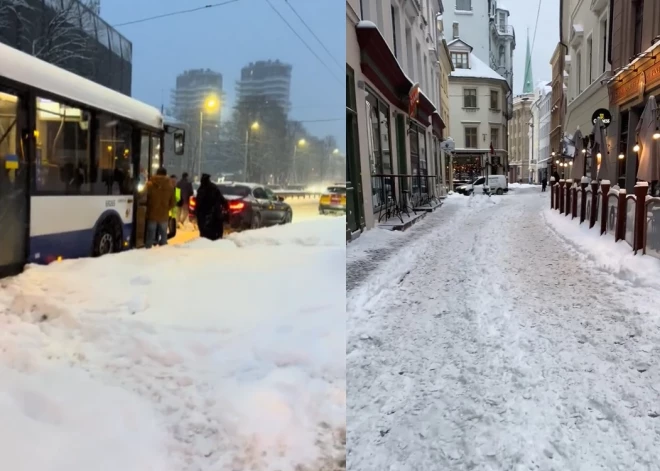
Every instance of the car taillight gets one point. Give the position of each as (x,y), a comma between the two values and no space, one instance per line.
(236,206)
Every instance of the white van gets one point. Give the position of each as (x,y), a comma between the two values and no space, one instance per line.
(498,185)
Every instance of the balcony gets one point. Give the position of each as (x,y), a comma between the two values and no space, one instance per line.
(505,30)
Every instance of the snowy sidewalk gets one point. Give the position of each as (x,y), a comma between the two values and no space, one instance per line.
(476,355)
(207,356)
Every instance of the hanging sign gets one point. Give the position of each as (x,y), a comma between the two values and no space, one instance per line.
(604,115)
(413,100)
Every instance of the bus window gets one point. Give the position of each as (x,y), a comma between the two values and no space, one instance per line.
(155,152)
(63,155)
(114,153)
(144,173)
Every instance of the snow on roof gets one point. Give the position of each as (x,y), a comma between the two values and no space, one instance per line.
(23,68)
(367,24)
(478,69)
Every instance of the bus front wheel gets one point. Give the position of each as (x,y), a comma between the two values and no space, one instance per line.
(107,238)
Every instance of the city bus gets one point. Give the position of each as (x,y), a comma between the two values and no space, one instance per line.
(74,160)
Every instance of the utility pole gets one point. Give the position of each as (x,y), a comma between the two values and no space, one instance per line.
(246,155)
(199,163)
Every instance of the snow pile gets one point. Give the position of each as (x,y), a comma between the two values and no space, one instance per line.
(615,258)
(330,231)
(515,186)
(200,356)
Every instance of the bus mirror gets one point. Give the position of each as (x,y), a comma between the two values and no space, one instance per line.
(179,140)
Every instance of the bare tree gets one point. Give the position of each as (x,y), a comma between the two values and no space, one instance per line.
(13,19)
(61,37)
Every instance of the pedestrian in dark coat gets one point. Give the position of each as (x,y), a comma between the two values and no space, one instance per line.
(186,191)
(544,183)
(209,210)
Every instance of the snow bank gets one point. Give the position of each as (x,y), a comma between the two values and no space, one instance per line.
(328,231)
(515,186)
(615,258)
(209,355)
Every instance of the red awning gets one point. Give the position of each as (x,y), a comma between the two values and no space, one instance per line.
(381,67)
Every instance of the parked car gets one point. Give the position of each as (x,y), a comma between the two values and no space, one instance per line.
(498,185)
(252,206)
(333,199)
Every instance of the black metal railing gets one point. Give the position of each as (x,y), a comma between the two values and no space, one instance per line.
(398,194)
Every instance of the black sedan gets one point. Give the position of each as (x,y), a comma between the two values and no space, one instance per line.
(252,206)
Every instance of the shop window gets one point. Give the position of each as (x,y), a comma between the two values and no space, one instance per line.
(470,98)
(62,164)
(114,156)
(470,138)
(380,155)
(423,161)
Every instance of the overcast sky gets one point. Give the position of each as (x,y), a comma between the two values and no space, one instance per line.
(523,16)
(227,38)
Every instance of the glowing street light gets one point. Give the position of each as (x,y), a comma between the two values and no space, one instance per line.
(211,104)
(336,151)
(254,127)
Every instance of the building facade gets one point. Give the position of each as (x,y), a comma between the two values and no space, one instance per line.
(541,119)
(393,95)
(558,109)
(635,49)
(469,20)
(270,79)
(485,26)
(70,35)
(587,67)
(478,101)
(446,68)
(519,135)
(190,99)
(501,43)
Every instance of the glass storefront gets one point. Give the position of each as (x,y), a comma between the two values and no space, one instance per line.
(380,154)
(418,160)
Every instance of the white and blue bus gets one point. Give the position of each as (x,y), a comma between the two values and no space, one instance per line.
(74,159)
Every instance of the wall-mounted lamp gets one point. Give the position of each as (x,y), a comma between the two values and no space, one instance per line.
(636,148)
(621,156)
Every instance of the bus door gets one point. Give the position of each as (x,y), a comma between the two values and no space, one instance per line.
(14,182)
(143,173)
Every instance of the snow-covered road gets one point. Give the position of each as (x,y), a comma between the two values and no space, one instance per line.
(206,356)
(490,343)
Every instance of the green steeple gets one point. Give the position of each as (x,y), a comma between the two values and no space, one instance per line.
(528,84)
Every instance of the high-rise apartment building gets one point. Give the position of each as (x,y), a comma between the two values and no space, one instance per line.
(269,79)
(195,90)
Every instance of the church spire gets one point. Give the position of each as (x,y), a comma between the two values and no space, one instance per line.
(528,84)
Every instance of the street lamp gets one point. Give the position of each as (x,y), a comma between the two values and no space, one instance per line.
(301,143)
(254,127)
(210,105)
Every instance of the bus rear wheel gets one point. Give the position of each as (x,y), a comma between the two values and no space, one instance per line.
(107,238)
